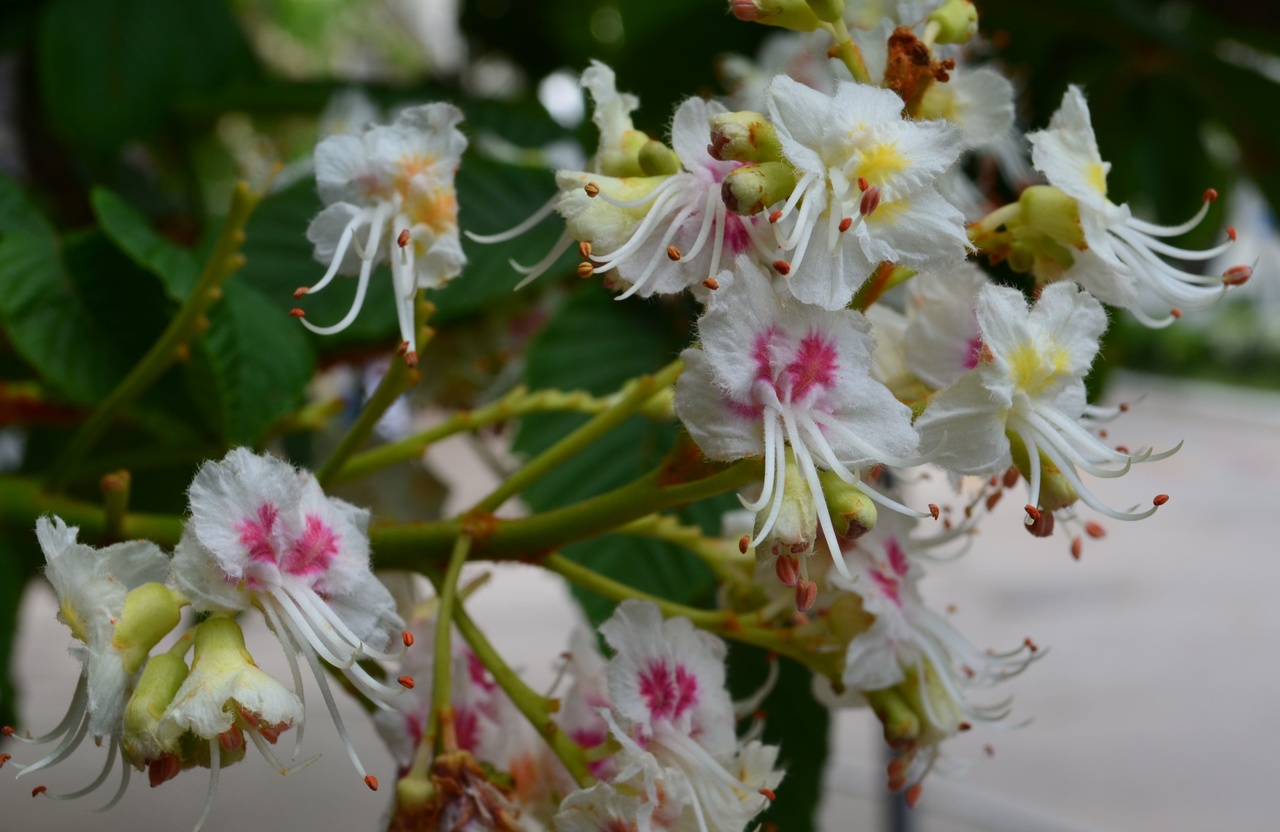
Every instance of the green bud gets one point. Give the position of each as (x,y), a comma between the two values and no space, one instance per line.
(1055,491)
(901,725)
(796,526)
(656,159)
(753,188)
(161,678)
(941,716)
(828,11)
(796,15)
(847,618)
(744,137)
(624,161)
(956,21)
(1051,212)
(150,612)
(852,512)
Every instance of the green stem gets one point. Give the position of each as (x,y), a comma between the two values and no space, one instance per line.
(536,708)
(518,402)
(223,262)
(22,501)
(398,378)
(643,389)
(744,628)
(447,591)
(721,555)
(410,546)
(849,52)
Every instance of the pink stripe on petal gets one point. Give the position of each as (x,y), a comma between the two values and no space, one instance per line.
(255,533)
(314,550)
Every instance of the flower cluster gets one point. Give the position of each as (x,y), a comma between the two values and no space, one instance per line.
(261,535)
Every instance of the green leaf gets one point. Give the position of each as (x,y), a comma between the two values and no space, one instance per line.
(795,721)
(596,344)
(261,362)
(17,566)
(177,268)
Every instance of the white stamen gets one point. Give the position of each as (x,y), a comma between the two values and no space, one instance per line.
(126,773)
(340,250)
(538,269)
(520,228)
(98,781)
(215,766)
(290,647)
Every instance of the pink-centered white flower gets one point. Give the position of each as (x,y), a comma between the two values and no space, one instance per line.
(663,234)
(1126,252)
(771,373)
(942,340)
(668,699)
(389,196)
(866,189)
(263,534)
(1028,388)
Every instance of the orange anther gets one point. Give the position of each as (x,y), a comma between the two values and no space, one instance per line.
(1077,546)
(774,216)
(403,239)
(1094,529)
(407,638)
(300,291)
(1030,645)
(1011,477)
(584,249)
(863,184)
(39,790)
(411,358)
(934,510)
(1177,313)
(913,795)
(673,253)
(1231,232)
(371,782)
(4,758)
(769,793)
(1209,195)
(1160,499)
(744,543)
(297,313)
(593,190)
(406,682)
(846,223)
(1237,275)
(1032,512)
(585,270)
(806,594)
(782,267)
(711,283)
(787,570)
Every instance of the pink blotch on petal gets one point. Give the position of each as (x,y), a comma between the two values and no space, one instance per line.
(255,533)
(888,587)
(314,550)
(467,725)
(974,355)
(897,557)
(736,237)
(668,694)
(479,674)
(815,365)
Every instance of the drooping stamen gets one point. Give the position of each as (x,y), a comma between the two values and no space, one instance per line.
(126,773)
(340,251)
(215,766)
(63,750)
(366,269)
(70,720)
(112,749)
(322,680)
(766,488)
(535,271)
(305,632)
(290,647)
(520,228)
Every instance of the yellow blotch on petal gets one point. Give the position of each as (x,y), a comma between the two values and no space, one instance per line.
(1096,174)
(879,163)
(1033,368)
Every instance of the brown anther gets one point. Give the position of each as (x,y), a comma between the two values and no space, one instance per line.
(164,769)
(403,239)
(300,291)
(7,731)
(406,682)
(1124,407)
(1122,449)
(1077,546)
(673,254)
(774,216)
(593,191)
(934,510)
(1231,232)
(1010,478)
(870,202)
(1209,195)
(231,740)
(1102,433)
(1041,526)
(952,609)
(787,570)
(4,758)
(863,184)
(806,594)
(782,267)
(711,283)
(769,793)
(1030,645)
(297,313)
(1094,529)
(585,270)
(913,795)
(39,790)
(584,249)
(371,782)
(964,726)
(833,52)
(1237,275)
(407,638)
(411,358)
(1160,499)
(1177,313)
(989,750)
(877,472)
(1033,512)
(846,224)
(993,498)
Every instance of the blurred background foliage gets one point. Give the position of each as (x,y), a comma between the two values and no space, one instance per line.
(124,123)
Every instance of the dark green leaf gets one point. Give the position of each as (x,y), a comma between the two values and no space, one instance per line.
(177,268)
(261,362)
(17,566)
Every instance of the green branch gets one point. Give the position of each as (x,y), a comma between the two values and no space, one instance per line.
(223,262)
(441,712)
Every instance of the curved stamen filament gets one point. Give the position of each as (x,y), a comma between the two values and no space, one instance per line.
(290,647)
(70,720)
(641,234)
(520,228)
(532,273)
(340,250)
(366,269)
(1145,250)
(766,488)
(215,767)
(302,629)
(810,473)
(319,674)
(1173,251)
(1170,230)
(127,772)
(63,750)
(640,202)
(660,252)
(779,452)
(1068,471)
(112,749)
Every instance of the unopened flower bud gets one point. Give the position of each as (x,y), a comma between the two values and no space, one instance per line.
(941,716)
(161,678)
(1055,491)
(852,512)
(744,136)
(956,21)
(656,159)
(1051,212)
(796,526)
(752,188)
(796,15)
(150,612)
(899,720)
